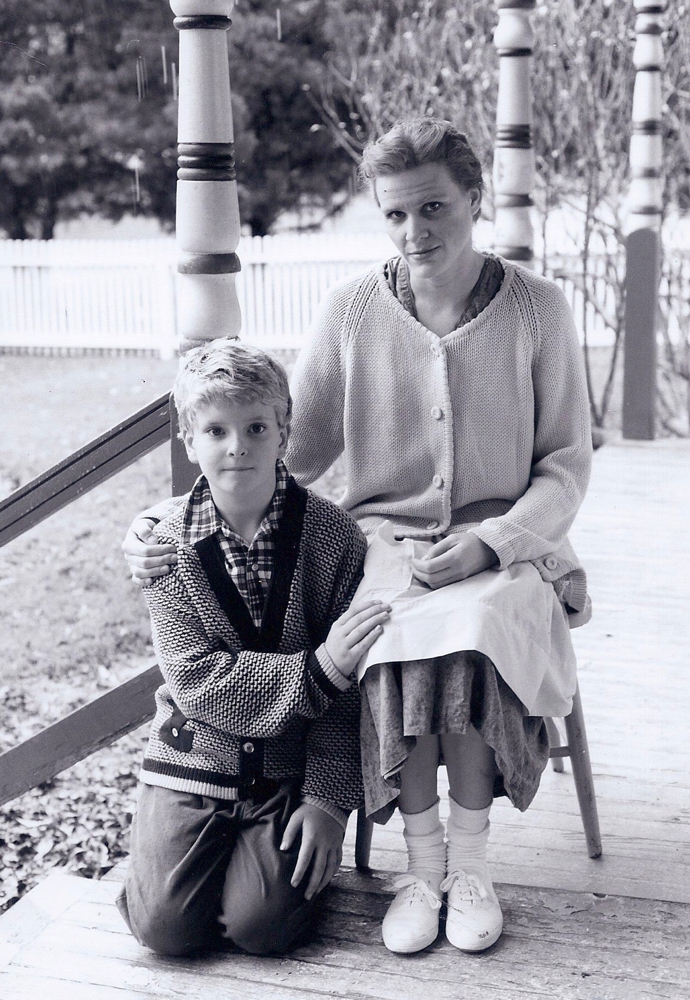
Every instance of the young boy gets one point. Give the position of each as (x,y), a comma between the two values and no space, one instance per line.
(253,762)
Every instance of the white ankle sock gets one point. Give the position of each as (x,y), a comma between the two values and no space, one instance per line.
(468,834)
(426,851)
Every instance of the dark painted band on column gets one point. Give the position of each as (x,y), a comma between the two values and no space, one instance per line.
(515,136)
(651,8)
(513,201)
(211,22)
(645,210)
(651,28)
(639,173)
(508,53)
(205,161)
(652,126)
(206,174)
(517,4)
(209,263)
(515,253)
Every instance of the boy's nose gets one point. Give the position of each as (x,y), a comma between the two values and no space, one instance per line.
(236,446)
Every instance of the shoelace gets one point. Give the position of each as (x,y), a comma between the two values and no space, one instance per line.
(469,887)
(418,889)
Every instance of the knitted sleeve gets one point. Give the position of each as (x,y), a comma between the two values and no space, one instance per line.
(333,771)
(318,390)
(538,522)
(236,691)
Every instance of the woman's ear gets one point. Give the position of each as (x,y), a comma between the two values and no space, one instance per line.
(475,196)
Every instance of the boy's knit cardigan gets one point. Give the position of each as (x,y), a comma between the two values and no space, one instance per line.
(487,428)
(237,705)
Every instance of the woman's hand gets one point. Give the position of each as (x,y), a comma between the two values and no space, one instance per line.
(145,557)
(321,846)
(455,557)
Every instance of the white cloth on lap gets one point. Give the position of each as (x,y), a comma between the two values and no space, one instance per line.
(511,615)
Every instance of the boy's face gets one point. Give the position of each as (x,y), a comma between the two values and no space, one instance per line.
(237,443)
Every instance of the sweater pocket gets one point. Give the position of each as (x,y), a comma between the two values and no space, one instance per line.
(173,733)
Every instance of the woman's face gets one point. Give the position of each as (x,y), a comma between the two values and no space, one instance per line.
(429,217)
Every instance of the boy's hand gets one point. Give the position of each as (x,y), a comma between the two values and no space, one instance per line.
(455,557)
(354,632)
(145,557)
(322,846)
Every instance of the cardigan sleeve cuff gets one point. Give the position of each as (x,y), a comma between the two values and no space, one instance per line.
(492,537)
(335,812)
(330,670)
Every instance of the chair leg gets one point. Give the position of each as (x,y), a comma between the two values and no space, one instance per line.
(582,773)
(365,829)
(554,741)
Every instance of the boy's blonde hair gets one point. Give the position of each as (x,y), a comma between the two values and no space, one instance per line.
(227,370)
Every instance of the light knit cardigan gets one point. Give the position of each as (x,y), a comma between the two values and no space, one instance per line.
(488,426)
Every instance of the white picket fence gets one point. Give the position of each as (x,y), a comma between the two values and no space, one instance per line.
(67,295)
(120,295)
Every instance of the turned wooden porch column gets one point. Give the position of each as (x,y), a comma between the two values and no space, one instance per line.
(208,219)
(643,244)
(514,154)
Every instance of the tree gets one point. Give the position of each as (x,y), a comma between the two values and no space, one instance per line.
(88,113)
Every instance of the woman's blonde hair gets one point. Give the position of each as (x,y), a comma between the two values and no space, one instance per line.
(415,141)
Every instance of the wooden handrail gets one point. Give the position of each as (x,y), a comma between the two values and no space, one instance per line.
(78,735)
(84,469)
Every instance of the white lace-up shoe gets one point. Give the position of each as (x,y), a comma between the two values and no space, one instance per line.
(474,920)
(411,922)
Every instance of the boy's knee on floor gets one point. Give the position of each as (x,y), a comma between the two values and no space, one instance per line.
(161,931)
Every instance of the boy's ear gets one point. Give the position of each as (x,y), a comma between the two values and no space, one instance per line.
(284,436)
(189,448)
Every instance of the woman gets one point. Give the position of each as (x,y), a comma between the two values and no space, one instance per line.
(452,381)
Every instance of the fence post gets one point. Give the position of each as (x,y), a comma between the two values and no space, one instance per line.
(643,244)
(514,154)
(208,219)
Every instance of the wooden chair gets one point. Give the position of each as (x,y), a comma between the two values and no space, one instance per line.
(576,748)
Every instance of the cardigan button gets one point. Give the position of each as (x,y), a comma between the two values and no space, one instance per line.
(551,562)
(175,731)
(431,525)
(438,481)
(436,412)
(248,747)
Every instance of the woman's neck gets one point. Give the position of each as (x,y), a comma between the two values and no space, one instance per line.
(440,301)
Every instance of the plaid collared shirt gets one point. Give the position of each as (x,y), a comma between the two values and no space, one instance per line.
(250,566)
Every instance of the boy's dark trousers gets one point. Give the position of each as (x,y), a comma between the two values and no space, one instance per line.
(204,872)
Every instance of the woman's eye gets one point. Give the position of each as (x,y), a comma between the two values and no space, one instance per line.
(395,216)
(432,206)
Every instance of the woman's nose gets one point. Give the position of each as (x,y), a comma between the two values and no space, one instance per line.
(417,229)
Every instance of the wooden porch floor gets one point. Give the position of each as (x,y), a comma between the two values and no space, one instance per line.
(613,929)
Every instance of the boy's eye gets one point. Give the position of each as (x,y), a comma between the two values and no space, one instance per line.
(215,431)
(257,428)
(431,207)
(395,216)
